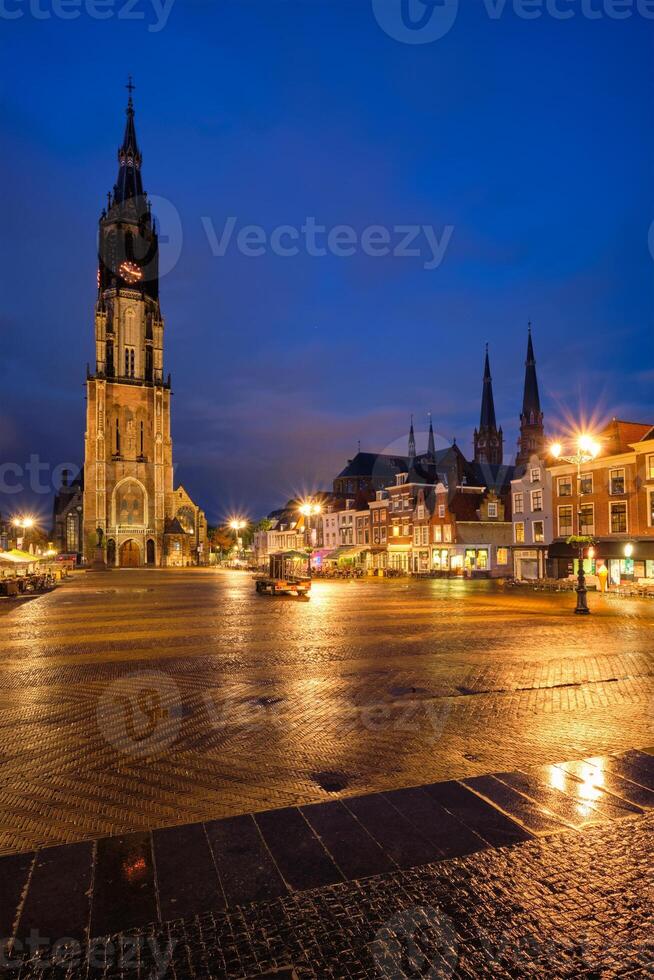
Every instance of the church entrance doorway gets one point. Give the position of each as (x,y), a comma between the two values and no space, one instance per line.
(111,552)
(130,556)
(149,551)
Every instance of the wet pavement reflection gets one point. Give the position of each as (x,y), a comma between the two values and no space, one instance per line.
(148,699)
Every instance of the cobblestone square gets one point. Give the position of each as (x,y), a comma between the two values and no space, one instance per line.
(392,759)
(142,699)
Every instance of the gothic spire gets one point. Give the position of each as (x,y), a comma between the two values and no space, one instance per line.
(487,419)
(532,430)
(431,444)
(129,184)
(412,441)
(488,439)
(531,399)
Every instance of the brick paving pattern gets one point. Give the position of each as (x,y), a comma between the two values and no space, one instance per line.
(564,907)
(138,700)
(367,785)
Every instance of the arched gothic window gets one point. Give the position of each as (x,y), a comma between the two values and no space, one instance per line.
(72,531)
(130,504)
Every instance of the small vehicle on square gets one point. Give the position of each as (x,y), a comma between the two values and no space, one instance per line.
(289,576)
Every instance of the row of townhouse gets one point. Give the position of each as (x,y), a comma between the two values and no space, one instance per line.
(609,498)
(417,527)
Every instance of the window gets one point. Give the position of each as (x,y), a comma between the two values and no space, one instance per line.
(651,508)
(539,532)
(416,535)
(650,468)
(518,503)
(438,531)
(424,535)
(502,556)
(492,510)
(618,517)
(535,474)
(396,530)
(72,531)
(587,518)
(421,512)
(565,522)
(383,515)
(616,482)
(441,510)
(383,534)
(447,533)
(536,500)
(565,486)
(586,483)
(519,532)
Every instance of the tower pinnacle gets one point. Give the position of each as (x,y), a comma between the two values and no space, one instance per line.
(431,444)
(412,441)
(532,433)
(488,439)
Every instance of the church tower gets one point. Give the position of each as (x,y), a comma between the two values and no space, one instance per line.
(128,471)
(488,439)
(532,432)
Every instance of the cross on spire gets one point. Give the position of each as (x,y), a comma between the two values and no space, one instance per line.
(130,85)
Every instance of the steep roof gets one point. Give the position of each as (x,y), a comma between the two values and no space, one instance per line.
(129,184)
(423,468)
(173,527)
(495,476)
(487,418)
(531,396)
(618,436)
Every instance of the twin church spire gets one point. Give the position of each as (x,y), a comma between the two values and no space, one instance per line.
(489,439)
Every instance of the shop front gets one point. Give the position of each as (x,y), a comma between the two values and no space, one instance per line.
(624,561)
(399,558)
(529,565)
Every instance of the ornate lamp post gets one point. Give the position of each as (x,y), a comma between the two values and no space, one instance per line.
(308,510)
(586,449)
(24,523)
(237,525)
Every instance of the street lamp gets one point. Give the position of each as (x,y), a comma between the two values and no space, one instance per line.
(236,526)
(308,510)
(24,523)
(586,449)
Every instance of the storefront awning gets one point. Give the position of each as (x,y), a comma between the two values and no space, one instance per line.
(345,551)
(605,548)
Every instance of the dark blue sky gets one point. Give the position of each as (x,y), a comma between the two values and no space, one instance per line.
(532,138)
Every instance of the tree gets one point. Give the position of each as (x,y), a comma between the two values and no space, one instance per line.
(221,538)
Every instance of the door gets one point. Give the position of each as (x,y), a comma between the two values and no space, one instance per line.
(130,556)
(149,550)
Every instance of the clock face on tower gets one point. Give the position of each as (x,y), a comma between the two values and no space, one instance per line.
(130,272)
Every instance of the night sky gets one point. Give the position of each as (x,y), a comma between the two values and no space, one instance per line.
(532,139)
